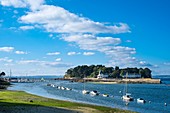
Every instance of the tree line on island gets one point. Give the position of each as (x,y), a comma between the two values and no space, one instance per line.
(93,70)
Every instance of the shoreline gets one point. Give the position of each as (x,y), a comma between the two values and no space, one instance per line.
(114,81)
(20,101)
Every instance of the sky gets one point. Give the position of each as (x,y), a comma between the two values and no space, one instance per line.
(47,37)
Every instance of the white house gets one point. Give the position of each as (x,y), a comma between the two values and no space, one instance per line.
(100,75)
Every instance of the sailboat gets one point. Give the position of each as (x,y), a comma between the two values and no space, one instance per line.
(127,96)
(85,91)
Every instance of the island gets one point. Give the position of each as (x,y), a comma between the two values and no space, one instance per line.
(101,73)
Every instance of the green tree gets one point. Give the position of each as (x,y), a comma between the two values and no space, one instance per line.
(116,68)
(147,72)
(2,74)
(122,73)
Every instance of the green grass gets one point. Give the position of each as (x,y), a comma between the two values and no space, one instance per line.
(20,98)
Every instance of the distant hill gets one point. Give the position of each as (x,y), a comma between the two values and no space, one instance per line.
(93,70)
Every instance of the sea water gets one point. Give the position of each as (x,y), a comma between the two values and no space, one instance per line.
(156,95)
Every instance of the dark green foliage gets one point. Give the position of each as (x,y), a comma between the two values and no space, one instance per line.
(2,74)
(93,71)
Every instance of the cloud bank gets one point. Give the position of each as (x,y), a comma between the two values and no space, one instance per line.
(82,31)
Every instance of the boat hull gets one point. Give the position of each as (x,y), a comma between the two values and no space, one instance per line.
(94,93)
(85,92)
(141,101)
(127,98)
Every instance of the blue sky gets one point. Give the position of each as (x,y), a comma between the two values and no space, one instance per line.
(46,37)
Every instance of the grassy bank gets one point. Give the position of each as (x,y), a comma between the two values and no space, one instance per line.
(18,101)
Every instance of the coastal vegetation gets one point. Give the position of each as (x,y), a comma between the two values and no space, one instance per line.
(2,74)
(93,70)
(3,82)
(21,102)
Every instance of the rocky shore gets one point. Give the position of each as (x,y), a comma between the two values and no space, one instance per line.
(134,81)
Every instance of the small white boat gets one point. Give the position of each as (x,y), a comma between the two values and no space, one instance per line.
(94,92)
(68,88)
(85,92)
(59,87)
(105,95)
(140,100)
(127,97)
(63,88)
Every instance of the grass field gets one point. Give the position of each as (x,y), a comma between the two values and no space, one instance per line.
(21,102)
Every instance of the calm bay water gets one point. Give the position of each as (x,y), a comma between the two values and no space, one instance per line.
(158,94)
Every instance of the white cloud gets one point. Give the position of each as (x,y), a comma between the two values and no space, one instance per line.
(119,55)
(6,59)
(50,35)
(32,4)
(44,63)
(29,62)
(57,19)
(15,12)
(55,53)
(14,3)
(20,52)
(128,41)
(91,42)
(167,63)
(26,27)
(12,28)
(88,53)
(6,49)
(79,30)
(145,64)
(57,64)
(58,59)
(73,53)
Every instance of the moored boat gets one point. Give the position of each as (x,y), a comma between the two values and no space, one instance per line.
(105,95)
(68,88)
(127,97)
(63,88)
(141,100)
(94,92)
(85,92)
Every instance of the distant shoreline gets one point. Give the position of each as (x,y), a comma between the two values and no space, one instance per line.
(114,81)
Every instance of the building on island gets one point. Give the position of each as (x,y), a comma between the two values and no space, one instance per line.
(101,75)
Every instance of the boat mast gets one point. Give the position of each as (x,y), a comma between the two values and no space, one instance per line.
(10,73)
(126,82)
(84,83)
